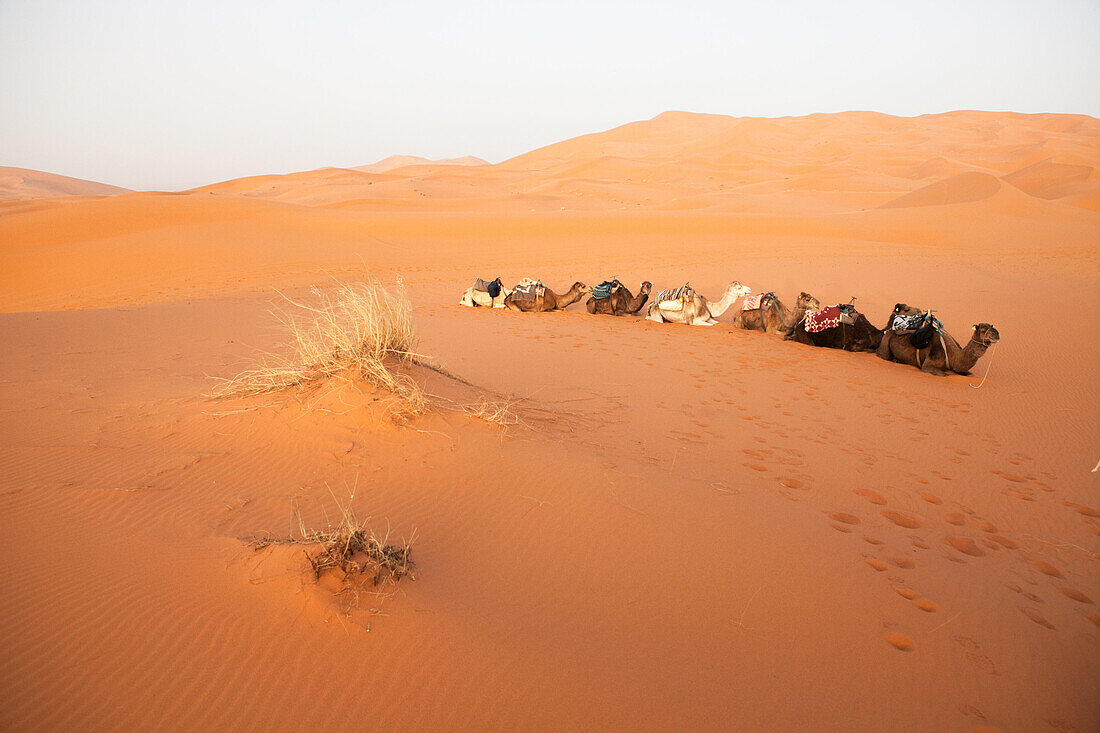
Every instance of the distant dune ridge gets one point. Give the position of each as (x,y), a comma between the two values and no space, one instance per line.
(687,161)
(400,161)
(22,184)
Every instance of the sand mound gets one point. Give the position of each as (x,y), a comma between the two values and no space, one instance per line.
(400,161)
(1050,180)
(963,188)
(22,184)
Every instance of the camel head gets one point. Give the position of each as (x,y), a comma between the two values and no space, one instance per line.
(904,309)
(581,288)
(739,290)
(808,302)
(646,287)
(985,334)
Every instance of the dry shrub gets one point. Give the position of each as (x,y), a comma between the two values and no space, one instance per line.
(356,328)
(352,548)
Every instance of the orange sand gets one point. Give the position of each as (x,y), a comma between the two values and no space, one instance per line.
(719,530)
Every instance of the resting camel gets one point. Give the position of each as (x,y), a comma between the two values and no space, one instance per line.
(697,310)
(773,316)
(858,335)
(620,302)
(474,297)
(944,354)
(547,299)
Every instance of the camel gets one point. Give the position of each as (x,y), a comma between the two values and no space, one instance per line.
(773,316)
(855,333)
(944,354)
(696,309)
(546,299)
(475,297)
(620,302)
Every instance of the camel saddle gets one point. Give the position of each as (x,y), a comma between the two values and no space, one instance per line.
(674,298)
(921,328)
(604,290)
(491,287)
(529,289)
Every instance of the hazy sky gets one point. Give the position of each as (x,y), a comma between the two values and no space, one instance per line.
(150,94)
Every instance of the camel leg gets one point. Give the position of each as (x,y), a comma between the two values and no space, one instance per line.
(929,367)
(883,351)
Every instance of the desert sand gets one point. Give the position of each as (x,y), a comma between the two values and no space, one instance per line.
(691,528)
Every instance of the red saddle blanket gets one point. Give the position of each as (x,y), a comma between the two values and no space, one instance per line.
(822,319)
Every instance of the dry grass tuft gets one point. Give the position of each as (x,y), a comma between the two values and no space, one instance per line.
(356,329)
(496,412)
(352,550)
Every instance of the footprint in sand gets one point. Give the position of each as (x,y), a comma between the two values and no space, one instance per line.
(791,483)
(925,605)
(955,518)
(1037,617)
(845,518)
(902,520)
(878,565)
(973,652)
(907,593)
(872,496)
(1083,510)
(1047,569)
(1030,596)
(966,546)
(899,641)
(930,497)
(902,562)
(1076,595)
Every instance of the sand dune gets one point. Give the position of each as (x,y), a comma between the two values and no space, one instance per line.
(692,528)
(1075,184)
(962,188)
(400,161)
(22,184)
(680,160)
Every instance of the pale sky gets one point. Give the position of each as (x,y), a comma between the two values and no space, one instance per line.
(170,95)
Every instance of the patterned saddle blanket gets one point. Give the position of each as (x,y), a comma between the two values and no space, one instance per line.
(755,302)
(825,318)
(528,289)
(906,323)
(830,317)
(603,290)
(674,298)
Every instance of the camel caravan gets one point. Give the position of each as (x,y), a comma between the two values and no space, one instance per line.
(912,336)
